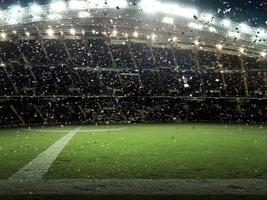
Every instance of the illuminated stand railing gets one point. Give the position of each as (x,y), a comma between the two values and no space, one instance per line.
(188,17)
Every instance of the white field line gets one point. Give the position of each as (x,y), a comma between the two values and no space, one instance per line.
(37,168)
(81,130)
(136,187)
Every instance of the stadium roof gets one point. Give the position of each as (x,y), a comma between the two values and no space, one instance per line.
(170,15)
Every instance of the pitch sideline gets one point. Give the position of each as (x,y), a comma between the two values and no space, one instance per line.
(135,187)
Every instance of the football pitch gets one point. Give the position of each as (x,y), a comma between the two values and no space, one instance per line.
(134,152)
(202,151)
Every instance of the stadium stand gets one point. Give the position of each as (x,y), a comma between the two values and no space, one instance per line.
(97,81)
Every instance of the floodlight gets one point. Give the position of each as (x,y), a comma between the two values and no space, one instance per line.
(96,4)
(207,17)
(14,14)
(196,43)
(3,35)
(84,14)
(170,8)
(261,32)
(58,6)
(1,15)
(77,5)
(50,32)
(241,50)
(195,26)
(36,18)
(72,31)
(114,33)
(263,54)
(168,20)
(174,39)
(226,23)
(54,17)
(187,12)
(153,36)
(117,3)
(35,9)
(212,29)
(27,33)
(15,11)
(219,46)
(150,6)
(245,28)
(135,34)
(234,34)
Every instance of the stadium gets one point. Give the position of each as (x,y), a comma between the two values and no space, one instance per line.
(113,98)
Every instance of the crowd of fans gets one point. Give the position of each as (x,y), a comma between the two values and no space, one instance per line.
(95,80)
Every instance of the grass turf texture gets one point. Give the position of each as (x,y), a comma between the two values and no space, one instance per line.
(132,197)
(20,146)
(165,151)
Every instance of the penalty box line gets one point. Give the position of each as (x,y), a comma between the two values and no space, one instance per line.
(38,167)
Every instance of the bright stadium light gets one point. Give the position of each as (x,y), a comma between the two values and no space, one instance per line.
(50,32)
(84,14)
(54,17)
(261,32)
(117,3)
(245,28)
(187,12)
(77,5)
(169,8)
(3,35)
(219,46)
(174,39)
(212,29)
(27,33)
(195,26)
(242,50)
(263,54)
(207,17)
(135,34)
(234,34)
(16,11)
(1,14)
(226,23)
(150,6)
(14,14)
(58,6)
(196,43)
(35,9)
(96,4)
(153,36)
(14,32)
(175,9)
(72,31)
(168,20)
(114,33)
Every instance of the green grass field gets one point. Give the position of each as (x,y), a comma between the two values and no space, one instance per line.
(19,146)
(142,151)
(166,151)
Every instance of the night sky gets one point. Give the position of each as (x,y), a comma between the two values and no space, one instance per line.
(252,12)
